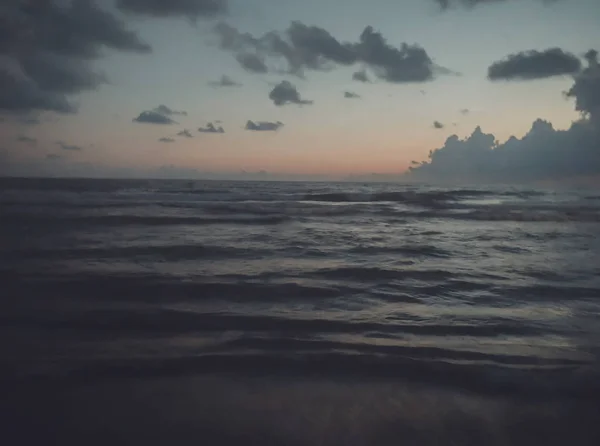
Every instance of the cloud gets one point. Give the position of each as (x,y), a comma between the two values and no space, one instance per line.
(185,133)
(211,128)
(586,89)
(225,81)
(360,76)
(351,95)
(446,4)
(301,47)
(544,153)
(263,126)
(166,8)
(409,63)
(27,140)
(48,49)
(535,64)
(166,111)
(286,93)
(464,111)
(166,140)
(252,62)
(69,147)
(438,125)
(153,117)
(54,157)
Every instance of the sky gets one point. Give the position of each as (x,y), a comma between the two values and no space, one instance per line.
(492,90)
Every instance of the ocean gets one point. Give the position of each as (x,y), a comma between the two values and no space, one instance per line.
(191,312)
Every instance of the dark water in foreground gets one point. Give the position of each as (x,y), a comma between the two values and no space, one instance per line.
(330,313)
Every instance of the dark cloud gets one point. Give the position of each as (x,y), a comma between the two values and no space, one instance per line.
(438,125)
(165,8)
(542,154)
(166,111)
(225,81)
(252,62)
(47,49)
(153,117)
(409,63)
(166,140)
(302,47)
(211,128)
(185,133)
(263,126)
(69,147)
(27,140)
(586,89)
(360,76)
(535,64)
(351,95)
(286,93)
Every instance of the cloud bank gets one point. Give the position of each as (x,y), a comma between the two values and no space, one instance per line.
(544,153)
(528,65)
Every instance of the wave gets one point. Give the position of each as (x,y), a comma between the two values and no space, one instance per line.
(357,273)
(141,220)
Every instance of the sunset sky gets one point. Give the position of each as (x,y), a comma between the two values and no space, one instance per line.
(390,124)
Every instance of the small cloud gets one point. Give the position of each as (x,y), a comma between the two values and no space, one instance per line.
(167,111)
(69,147)
(286,93)
(166,140)
(465,111)
(53,157)
(423,92)
(225,81)
(360,76)
(29,120)
(438,125)
(263,126)
(351,95)
(27,140)
(529,65)
(153,117)
(185,133)
(211,128)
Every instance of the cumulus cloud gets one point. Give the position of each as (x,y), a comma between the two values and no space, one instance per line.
(535,64)
(286,93)
(302,47)
(351,95)
(225,81)
(27,140)
(166,139)
(186,133)
(360,76)
(263,126)
(69,147)
(543,153)
(211,128)
(166,8)
(438,125)
(47,49)
(153,117)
